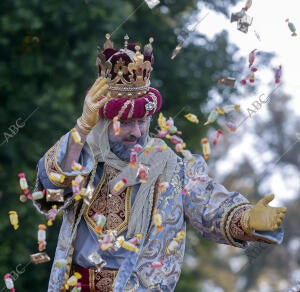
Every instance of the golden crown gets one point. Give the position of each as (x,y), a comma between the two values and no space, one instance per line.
(127,70)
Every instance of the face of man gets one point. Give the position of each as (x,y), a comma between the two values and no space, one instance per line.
(131,132)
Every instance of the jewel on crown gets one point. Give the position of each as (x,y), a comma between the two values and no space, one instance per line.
(127,70)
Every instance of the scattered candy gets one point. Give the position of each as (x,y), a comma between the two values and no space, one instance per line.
(226,81)
(97,260)
(100,221)
(191,183)
(9,283)
(231,126)
(73,280)
(251,57)
(60,263)
(76,136)
(119,186)
(176,50)
(175,242)
(212,117)
(163,186)
(56,177)
(230,108)
(42,237)
(137,148)
(127,245)
(39,258)
(217,137)
(188,155)
(52,215)
(157,264)
(54,195)
(136,240)
(152,3)
(277,74)
(14,220)
(192,118)
(205,148)
(116,125)
(24,186)
(133,158)
(238,15)
(157,219)
(38,195)
(142,173)
(76,166)
(248,4)
(291,27)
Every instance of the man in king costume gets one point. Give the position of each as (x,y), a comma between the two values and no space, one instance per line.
(126,197)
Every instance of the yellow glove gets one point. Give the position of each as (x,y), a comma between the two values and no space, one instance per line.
(262,216)
(91,105)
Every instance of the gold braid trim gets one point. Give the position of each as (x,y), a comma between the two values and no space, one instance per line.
(225,223)
(51,165)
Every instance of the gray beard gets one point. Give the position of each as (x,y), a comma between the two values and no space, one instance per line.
(123,151)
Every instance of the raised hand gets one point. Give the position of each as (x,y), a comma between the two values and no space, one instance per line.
(91,105)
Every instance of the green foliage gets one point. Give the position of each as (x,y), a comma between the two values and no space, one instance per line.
(48,52)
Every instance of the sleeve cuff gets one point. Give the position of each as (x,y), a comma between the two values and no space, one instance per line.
(55,156)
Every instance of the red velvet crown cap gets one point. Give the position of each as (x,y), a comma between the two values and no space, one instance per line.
(135,108)
(148,101)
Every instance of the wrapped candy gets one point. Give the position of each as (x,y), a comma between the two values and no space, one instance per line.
(157,219)
(176,50)
(56,177)
(100,221)
(205,148)
(9,283)
(162,122)
(188,155)
(14,220)
(136,240)
(248,4)
(192,118)
(24,187)
(76,166)
(229,81)
(119,186)
(76,136)
(212,117)
(231,126)
(52,215)
(152,3)
(191,183)
(133,158)
(60,263)
(179,147)
(38,195)
(39,258)
(277,74)
(142,173)
(116,125)
(162,133)
(137,148)
(127,245)
(251,57)
(163,186)
(54,195)
(42,237)
(230,108)
(176,140)
(160,148)
(97,260)
(175,242)
(157,264)
(73,280)
(291,27)
(217,137)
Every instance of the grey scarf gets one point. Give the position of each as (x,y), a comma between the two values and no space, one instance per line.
(161,164)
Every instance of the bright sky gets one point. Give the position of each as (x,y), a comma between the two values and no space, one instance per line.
(275,37)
